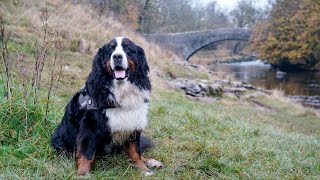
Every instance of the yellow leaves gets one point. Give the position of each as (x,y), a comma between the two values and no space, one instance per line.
(292,32)
(294,55)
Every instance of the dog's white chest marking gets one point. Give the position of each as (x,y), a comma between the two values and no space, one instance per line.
(132,113)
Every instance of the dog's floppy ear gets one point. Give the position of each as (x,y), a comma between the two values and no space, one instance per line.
(97,65)
(143,61)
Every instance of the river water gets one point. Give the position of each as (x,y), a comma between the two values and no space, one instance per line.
(303,87)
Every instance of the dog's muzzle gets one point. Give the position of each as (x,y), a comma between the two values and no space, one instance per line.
(120,66)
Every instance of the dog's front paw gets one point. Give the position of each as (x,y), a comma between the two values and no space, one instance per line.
(148,173)
(154,164)
(84,166)
(83,172)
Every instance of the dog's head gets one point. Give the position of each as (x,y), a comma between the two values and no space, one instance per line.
(121,59)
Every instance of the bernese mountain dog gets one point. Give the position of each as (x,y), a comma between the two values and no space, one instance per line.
(109,113)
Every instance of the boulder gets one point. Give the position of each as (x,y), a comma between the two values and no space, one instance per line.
(237,84)
(178,83)
(193,89)
(216,90)
(204,87)
(235,89)
(222,81)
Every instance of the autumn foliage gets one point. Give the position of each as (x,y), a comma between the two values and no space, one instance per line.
(290,35)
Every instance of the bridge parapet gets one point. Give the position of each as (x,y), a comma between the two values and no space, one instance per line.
(188,43)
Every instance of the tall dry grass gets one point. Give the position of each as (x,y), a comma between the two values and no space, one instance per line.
(82,23)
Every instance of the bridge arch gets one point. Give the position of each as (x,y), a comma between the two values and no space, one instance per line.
(216,42)
(188,43)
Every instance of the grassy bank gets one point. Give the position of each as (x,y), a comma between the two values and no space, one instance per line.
(226,139)
(264,137)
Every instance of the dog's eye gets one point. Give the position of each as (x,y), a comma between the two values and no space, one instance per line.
(125,43)
(112,46)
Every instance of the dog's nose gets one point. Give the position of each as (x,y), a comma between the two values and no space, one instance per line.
(117,57)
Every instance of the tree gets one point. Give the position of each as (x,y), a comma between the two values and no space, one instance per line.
(163,16)
(213,17)
(127,12)
(291,34)
(142,16)
(245,14)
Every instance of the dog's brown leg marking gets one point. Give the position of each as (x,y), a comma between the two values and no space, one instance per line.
(84,165)
(137,159)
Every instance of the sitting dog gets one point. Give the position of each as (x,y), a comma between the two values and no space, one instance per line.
(109,113)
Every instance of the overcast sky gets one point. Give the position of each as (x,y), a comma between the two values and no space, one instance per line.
(231,4)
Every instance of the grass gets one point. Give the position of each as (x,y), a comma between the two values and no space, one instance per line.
(194,140)
(264,137)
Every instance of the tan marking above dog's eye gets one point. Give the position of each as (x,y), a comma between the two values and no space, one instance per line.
(126,43)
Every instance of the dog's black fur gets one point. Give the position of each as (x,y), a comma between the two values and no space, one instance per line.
(86,131)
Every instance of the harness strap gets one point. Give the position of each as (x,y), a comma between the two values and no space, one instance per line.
(88,103)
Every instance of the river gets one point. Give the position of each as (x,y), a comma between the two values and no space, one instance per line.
(303,87)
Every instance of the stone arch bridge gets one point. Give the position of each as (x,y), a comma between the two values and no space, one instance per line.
(188,43)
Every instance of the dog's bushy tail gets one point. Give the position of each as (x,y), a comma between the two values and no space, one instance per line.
(145,143)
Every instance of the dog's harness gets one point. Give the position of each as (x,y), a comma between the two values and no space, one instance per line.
(87,102)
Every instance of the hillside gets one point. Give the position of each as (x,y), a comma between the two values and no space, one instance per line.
(264,136)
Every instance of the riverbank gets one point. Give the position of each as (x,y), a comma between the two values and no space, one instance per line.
(296,85)
(220,84)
